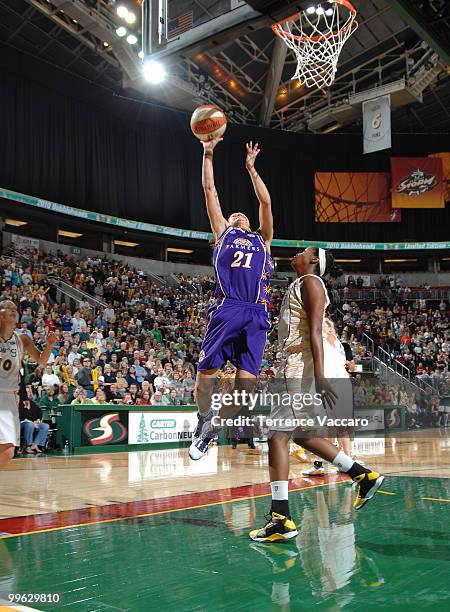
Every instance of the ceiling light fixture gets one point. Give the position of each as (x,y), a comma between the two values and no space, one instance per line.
(153,71)
(68,234)
(125,243)
(122,11)
(15,222)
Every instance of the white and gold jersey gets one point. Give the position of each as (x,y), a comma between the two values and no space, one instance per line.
(293,328)
(11,353)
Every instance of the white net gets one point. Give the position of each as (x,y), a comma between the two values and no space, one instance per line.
(317,36)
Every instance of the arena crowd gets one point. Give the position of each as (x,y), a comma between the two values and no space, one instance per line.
(143,345)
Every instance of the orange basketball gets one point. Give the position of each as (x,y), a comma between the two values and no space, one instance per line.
(208,122)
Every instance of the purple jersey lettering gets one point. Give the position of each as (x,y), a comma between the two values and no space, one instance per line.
(242,266)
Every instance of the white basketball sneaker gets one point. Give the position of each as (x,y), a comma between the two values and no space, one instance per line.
(199,445)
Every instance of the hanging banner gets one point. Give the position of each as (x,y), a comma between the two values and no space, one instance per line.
(354,197)
(445,157)
(7,194)
(377,124)
(417,182)
(24,242)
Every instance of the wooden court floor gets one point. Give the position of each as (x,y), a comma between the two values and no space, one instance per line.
(151,531)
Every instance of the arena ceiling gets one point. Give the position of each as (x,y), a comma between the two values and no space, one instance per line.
(242,68)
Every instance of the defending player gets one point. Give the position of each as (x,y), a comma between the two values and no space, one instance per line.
(301,334)
(12,349)
(335,365)
(238,321)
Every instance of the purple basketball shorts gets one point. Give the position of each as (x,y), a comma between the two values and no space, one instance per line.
(236,331)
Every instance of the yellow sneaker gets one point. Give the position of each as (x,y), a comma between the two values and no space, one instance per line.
(366,487)
(279,529)
(300,455)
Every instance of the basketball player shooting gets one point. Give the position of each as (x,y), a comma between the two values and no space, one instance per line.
(238,321)
(13,347)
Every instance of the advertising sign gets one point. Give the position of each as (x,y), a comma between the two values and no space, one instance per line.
(375,418)
(161,427)
(100,429)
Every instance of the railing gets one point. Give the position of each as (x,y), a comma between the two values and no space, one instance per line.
(396,365)
(383,357)
(422,384)
(389,375)
(368,342)
(155,279)
(370,294)
(173,281)
(76,294)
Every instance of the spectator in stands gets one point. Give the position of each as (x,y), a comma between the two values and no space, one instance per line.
(121,381)
(80,397)
(158,399)
(127,399)
(99,397)
(109,377)
(84,376)
(173,399)
(49,378)
(49,399)
(146,386)
(131,377)
(133,391)
(114,395)
(156,333)
(144,399)
(78,323)
(108,315)
(65,395)
(161,380)
(34,431)
(188,386)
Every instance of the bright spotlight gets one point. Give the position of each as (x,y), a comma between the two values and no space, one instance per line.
(131,39)
(141,54)
(122,11)
(130,17)
(153,71)
(329,12)
(320,10)
(121,31)
(311,10)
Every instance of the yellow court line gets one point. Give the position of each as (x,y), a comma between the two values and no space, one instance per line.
(136,516)
(436,499)
(386,492)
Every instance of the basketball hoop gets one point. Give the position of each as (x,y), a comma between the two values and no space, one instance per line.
(317,36)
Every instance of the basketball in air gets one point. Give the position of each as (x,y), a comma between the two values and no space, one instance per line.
(208,122)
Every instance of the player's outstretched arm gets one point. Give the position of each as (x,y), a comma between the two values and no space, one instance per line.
(262,193)
(313,298)
(34,353)
(216,218)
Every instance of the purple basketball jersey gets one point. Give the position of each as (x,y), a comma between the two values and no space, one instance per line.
(243,267)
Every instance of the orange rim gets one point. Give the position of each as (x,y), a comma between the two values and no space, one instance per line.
(278,31)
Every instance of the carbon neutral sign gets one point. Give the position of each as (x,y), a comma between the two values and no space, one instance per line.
(160,427)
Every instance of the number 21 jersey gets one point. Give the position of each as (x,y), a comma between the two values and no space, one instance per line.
(242,266)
